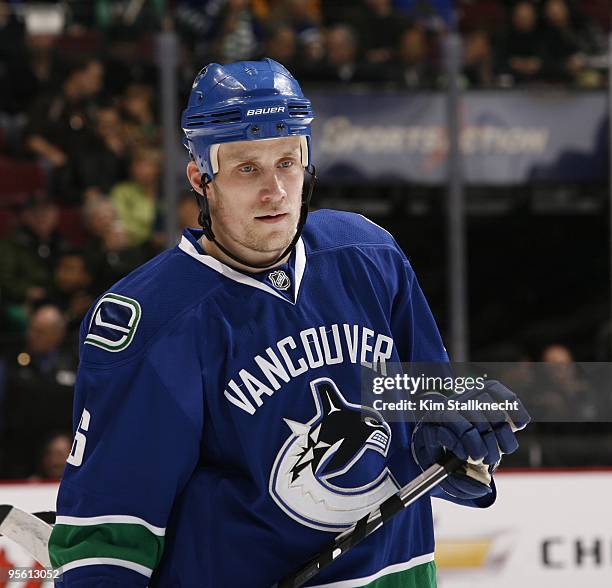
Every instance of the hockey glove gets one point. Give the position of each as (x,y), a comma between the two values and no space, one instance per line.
(478,436)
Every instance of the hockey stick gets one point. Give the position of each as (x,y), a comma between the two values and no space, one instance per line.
(27,530)
(365,526)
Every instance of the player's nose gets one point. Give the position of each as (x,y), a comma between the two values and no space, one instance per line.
(273,187)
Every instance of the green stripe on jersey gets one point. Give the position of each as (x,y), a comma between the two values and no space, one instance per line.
(122,541)
(422,576)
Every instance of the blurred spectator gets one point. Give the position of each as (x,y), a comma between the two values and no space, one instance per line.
(413,68)
(107,252)
(27,258)
(341,53)
(302,16)
(126,62)
(571,412)
(139,115)
(44,337)
(137,200)
(59,124)
(238,32)
(280,45)
(39,390)
(478,61)
(433,14)
(380,27)
(557,354)
(340,11)
(564,60)
(12,51)
(28,63)
(311,49)
(102,161)
(593,39)
(139,17)
(341,62)
(53,455)
(70,291)
(564,395)
(12,29)
(42,68)
(196,24)
(521,55)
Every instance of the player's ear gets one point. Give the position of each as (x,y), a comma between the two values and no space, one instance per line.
(195,176)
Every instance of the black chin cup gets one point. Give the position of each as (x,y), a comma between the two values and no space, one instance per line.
(205,219)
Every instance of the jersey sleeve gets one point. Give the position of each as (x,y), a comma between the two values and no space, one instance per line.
(419,340)
(138,428)
(414,327)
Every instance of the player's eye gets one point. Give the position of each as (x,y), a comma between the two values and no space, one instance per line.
(287,163)
(247,169)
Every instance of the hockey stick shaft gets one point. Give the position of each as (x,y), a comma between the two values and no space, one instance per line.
(368,524)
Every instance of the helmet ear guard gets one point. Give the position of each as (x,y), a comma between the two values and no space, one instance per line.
(305,151)
(245,101)
(213,155)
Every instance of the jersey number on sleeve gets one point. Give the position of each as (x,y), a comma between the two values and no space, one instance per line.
(78,445)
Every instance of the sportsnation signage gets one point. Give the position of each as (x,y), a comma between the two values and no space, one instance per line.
(507,138)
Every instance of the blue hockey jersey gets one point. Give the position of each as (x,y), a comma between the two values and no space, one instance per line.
(218,436)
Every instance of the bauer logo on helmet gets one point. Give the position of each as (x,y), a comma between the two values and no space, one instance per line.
(269,110)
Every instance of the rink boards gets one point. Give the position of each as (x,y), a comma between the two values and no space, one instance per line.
(546,529)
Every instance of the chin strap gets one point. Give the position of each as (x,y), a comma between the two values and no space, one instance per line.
(205,219)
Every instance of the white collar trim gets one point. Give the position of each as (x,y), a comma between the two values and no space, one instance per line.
(225,270)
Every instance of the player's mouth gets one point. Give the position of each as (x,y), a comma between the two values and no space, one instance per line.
(275,217)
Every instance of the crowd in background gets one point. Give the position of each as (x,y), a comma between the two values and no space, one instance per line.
(80,164)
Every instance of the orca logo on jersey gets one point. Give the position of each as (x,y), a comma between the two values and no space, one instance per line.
(113,323)
(331,470)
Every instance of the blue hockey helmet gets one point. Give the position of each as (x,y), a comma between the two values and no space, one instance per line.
(245,101)
(241,101)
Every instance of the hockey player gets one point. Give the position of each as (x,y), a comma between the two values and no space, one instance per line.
(218,432)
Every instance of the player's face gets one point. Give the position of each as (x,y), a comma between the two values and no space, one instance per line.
(255,198)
